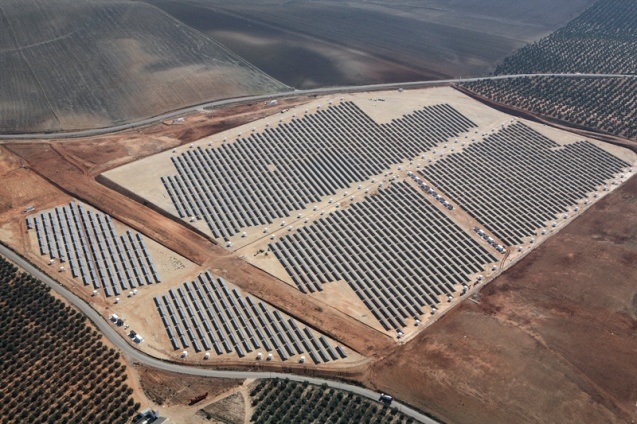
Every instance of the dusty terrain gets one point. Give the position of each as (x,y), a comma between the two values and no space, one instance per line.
(22,188)
(171,393)
(167,389)
(230,409)
(554,339)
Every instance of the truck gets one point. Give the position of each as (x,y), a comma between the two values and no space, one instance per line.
(386,399)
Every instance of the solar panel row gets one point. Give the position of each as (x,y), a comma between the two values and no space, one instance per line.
(269,174)
(396,250)
(517,180)
(209,313)
(88,242)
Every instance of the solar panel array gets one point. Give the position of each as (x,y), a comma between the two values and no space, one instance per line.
(269,174)
(396,250)
(89,244)
(210,313)
(516,180)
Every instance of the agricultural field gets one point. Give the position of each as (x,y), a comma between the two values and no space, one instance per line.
(276,401)
(54,368)
(71,65)
(608,105)
(363,42)
(298,60)
(601,40)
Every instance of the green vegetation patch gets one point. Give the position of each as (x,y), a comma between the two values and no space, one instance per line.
(53,366)
(285,401)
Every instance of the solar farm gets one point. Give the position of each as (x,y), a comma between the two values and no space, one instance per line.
(227,321)
(88,242)
(389,206)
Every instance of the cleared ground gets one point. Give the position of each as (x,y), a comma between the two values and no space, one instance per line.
(252,244)
(171,393)
(21,188)
(87,64)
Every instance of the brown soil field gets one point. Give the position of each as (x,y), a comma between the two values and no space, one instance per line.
(553,339)
(165,388)
(230,409)
(170,394)
(228,400)
(21,187)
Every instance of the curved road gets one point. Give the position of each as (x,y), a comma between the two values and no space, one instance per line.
(325,90)
(145,359)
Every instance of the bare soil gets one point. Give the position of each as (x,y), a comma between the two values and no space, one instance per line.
(165,388)
(21,187)
(171,393)
(229,410)
(553,339)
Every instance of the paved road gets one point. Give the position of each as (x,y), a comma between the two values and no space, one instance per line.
(321,91)
(133,354)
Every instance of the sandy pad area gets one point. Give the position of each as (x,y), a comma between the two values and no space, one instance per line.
(143,178)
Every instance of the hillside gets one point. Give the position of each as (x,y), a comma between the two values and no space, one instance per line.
(71,65)
(601,40)
(322,43)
